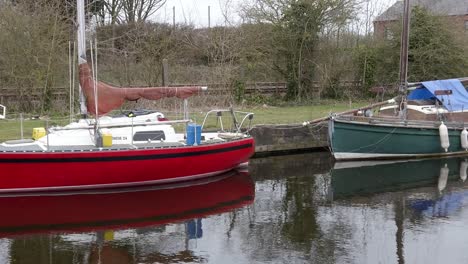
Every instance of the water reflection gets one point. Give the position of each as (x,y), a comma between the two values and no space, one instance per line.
(359,178)
(363,212)
(114,226)
(415,194)
(307,209)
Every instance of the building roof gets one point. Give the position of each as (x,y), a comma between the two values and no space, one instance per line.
(439,7)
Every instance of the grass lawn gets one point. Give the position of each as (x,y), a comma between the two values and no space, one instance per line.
(275,115)
(298,114)
(11,129)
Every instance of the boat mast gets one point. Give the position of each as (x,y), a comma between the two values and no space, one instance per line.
(80,20)
(404,59)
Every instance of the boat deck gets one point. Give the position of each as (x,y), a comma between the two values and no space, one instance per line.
(28,148)
(33,147)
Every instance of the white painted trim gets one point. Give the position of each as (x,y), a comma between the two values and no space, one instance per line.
(361,156)
(243,167)
(113,185)
(367,163)
(425,109)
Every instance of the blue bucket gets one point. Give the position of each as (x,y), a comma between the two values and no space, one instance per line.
(193,134)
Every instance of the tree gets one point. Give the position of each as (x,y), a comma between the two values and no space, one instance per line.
(113,8)
(33,50)
(434,52)
(298,24)
(140,10)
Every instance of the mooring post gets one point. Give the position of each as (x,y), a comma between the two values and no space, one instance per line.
(165,72)
(21,124)
(173,18)
(132,132)
(47,133)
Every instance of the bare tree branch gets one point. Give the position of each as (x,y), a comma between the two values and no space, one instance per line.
(140,10)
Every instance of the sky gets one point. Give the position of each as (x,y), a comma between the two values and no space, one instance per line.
(196,11)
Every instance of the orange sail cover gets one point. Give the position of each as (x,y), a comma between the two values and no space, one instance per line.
(111,97)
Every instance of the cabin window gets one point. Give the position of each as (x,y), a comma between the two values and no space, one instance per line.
(149,135)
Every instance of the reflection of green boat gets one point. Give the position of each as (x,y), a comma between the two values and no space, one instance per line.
(360,178)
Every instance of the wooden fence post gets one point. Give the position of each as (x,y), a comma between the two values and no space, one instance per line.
(165,73)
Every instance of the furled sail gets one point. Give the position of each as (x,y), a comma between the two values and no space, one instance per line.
(111,97)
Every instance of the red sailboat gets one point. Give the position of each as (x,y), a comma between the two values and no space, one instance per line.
(134,150)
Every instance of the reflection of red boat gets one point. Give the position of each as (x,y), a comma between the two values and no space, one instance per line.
(81,212)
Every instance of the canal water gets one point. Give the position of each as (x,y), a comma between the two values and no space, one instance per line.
(284,209)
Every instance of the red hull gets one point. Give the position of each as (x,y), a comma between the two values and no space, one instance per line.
(45,171)
(136,208)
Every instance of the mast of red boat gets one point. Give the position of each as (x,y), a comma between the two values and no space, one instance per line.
(404,59)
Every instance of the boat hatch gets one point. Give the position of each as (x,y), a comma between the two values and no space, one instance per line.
(149,135)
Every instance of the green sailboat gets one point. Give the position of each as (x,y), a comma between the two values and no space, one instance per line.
(428,121)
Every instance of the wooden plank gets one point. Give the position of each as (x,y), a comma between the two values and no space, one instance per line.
(443,92)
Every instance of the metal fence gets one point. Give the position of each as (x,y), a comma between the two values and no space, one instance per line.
(10,96)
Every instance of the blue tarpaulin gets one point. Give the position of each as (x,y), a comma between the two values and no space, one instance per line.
(456,101)
(194,229)
(445,206)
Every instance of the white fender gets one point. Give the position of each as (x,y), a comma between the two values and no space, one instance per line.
(443,176)
(463,167)
(464,139)
(444,138)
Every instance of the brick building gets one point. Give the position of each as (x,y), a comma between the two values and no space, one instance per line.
(455,10)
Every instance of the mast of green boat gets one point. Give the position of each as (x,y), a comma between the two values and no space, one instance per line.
(403,88)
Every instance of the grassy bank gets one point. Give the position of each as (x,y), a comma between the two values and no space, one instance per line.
(11,128)
(298,114)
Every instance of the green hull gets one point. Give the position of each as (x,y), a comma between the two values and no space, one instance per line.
(360,140)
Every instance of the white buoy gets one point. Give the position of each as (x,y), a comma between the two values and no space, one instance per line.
(464,139)
(442,183)
(444,138)
(463,167)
